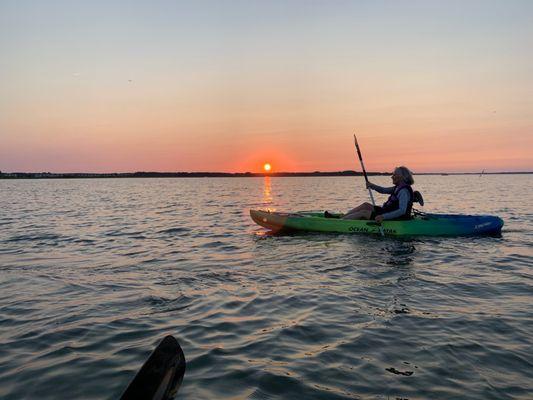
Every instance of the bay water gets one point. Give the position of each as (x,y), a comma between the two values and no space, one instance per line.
(95,272)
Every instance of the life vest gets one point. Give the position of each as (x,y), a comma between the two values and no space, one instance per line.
(393,203)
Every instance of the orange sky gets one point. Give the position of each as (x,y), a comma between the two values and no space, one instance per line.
(183,87)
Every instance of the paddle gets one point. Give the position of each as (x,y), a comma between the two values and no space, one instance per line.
(161,375)
(366,179)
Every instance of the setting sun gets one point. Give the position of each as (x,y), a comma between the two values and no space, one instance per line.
(267,167)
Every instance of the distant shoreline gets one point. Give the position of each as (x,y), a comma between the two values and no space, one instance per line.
(75,175)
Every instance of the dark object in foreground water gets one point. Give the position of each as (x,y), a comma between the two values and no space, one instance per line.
(395,371)
(161,375)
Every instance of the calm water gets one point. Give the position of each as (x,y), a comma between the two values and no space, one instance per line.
(93,273)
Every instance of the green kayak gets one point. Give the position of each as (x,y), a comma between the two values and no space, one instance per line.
(421,224)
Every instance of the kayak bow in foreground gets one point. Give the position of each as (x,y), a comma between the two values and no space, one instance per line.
(161,375)
(420,225)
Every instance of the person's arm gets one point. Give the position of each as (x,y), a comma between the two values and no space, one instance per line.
(381,189)
(403,198)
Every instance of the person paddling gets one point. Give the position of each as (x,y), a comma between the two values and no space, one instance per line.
(397,207)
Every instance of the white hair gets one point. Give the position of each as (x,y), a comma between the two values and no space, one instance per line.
(406,174)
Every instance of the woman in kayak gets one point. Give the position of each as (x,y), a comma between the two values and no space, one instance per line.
(397,206)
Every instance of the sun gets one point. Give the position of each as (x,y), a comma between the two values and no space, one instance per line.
(267,167)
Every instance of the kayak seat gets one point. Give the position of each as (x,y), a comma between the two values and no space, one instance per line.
(417,198)
(419,214)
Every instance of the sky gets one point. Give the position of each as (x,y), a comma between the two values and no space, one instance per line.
(116,86)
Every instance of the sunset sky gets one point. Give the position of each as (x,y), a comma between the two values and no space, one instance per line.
(120,86)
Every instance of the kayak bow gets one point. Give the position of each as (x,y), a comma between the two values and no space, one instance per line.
(161,375)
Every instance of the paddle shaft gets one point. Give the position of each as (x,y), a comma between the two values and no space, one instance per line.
(363,167)
(366,179)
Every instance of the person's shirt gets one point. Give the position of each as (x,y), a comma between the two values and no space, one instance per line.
(403,200)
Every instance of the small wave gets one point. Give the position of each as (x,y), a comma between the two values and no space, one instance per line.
(258,394)
(174,230)
(134,234)
(219,245)
(35,237)
(164,305)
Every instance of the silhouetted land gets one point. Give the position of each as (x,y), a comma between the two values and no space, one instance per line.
(49,175)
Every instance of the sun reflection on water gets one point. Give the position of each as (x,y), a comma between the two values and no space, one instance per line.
(267,194)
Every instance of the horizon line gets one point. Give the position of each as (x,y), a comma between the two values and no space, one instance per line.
(183,174)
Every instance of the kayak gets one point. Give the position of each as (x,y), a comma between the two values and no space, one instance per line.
(161,375)
(421,224)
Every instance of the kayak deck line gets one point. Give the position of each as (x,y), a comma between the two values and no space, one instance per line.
(421,224)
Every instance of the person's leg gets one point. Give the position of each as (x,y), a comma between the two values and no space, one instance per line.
(361,214)
(362,207)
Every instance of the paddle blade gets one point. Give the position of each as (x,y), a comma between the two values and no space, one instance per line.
(161,375)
